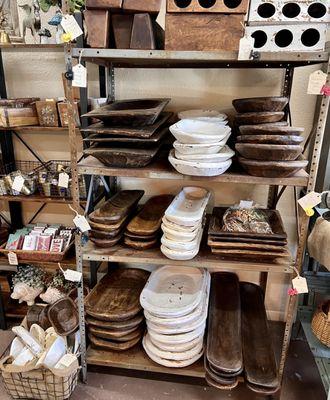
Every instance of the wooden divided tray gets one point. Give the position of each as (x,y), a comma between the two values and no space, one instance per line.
(258,353)
(224,348)
(117,296)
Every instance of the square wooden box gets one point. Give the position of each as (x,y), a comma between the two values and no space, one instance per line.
(47,112)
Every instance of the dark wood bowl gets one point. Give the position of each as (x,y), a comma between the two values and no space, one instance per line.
(63,316)
(269,152)
(270,129)
(270,139)
(272,169)
(257,104)
(258,118)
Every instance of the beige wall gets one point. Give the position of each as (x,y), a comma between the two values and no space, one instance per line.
(39,74)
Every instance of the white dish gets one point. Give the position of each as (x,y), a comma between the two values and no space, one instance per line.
(200,148)
(55,353)
(179,255)
(16,347)
(179,347)
(198,168)
(174,291)
(188,206)
(181,228)
(66,361)
(24,357)
(177,339)
(172,355)
(179,236)
(29,341)
(177,330)
(38,333)
(201,114)
(194,131)
(223,155)
(178,245)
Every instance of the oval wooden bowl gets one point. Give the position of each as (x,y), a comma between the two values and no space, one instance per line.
(258,117)
(269,152)
(270,139)
(257,104)
(272,169)
(270,129)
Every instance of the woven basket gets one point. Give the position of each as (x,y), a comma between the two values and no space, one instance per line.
(321,323)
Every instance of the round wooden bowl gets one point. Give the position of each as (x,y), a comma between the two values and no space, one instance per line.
(270,129)
(272,169)
(258,117)
(257,104)
(271,139)
(269,152)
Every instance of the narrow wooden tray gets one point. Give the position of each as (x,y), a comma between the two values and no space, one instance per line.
(238,240)
(259,357)
(116,335)
(249,254)
(245,246)
(120,325)
(117,296)
(111,345)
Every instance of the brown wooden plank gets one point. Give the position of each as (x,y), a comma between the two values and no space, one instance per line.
(137,6)
(98,28)
(122,29)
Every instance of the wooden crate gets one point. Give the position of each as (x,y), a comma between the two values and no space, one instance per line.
(24,116)
(208,6)
(47,112)
(98,28)
(205,32)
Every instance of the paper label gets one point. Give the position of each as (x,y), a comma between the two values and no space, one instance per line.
(81,223)
(67,360)
(161,15)
(309,201)
(12,258)
(246,45)
(316,82)
(18,183)
(63,180)
(79,76)
(246,204)
(71,275)
(300,284)
(70,25)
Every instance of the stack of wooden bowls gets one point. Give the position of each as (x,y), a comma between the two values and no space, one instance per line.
(175,302)
(143,231)
(108,222)
(113,309)
(200,148)
(130,132)
(183,224)
(267,146)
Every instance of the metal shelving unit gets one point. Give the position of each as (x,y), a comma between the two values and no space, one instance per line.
(111,59)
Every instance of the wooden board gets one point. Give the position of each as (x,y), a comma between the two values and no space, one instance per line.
(122,29)
(207,6)
(104,4)
(258,352)
(203,32)
(98,28)
(224,347)
(47,113)
(117,296)
(137,6)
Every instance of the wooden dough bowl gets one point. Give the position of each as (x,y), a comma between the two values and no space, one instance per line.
(270,129)
(269,152)
(258,117)
(270,139)
(258,104)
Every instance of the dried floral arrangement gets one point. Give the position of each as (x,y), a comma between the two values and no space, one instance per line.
(30,275)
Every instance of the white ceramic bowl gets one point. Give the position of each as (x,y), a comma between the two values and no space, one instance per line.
(198,168)
(200,148)
(223,155)
(202,114)
(178,347)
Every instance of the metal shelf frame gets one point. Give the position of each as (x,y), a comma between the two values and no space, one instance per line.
(111,58)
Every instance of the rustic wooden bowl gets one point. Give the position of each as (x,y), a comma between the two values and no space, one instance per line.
(272,169)
(63,316)
(257,104)
(269,152)
(270,139)
(270,129)
(258,118)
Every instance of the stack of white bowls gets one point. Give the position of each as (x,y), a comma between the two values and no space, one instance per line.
(200,148)
(183,222)
(175,302)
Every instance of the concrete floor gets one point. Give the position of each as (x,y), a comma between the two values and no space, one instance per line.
(301,382)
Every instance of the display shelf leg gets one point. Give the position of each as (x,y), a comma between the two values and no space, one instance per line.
(3,322)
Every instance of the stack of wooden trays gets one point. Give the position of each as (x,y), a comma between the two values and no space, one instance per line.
(108,222)
(130,134)
(248,245)
(114,317)
(144,229)
(183,224)
(175,302)
(266,146)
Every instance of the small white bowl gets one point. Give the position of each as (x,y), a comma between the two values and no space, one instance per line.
(201,114)
(200,148)
(16,347)
(223,155)
(55,353)
(24,357)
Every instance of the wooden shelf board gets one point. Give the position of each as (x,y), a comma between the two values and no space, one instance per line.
(37,129)
(204,258)
(32,46)
(161,169)
(38,199)
(69,261)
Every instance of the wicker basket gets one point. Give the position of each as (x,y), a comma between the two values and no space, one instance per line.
(321,323)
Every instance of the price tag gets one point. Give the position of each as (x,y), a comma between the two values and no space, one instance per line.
(12,258)
(246,204)
(18,183)
(246,45)
(63,180)
(71,275)
(316,82)
(81,223)
(309,201)
(300,284)
(70,25)
(68,359)
(79,76)
(161,15)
